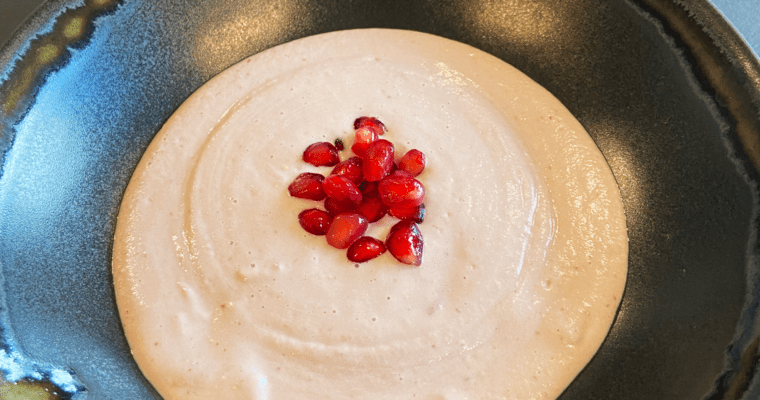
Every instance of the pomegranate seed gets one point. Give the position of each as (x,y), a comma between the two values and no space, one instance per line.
(321,154)
(413,162)
(370,122)
(400,190)
(351,169)
(364,249)
(342,189)
(378,160)
(315,221)
(307,185)
(363,138)
(416,214)
(335,207)
(345,229)
(372,208)
(405,242)
(339,144)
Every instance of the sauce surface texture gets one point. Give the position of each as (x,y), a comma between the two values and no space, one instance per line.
(223,295)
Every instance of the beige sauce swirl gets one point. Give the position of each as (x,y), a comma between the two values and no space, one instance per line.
(223,295)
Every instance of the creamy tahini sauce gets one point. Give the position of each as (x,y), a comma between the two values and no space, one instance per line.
(223,295)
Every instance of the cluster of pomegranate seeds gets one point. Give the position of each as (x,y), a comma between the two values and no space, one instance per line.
(362,190)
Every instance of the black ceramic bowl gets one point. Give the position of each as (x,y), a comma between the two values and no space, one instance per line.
(666,89)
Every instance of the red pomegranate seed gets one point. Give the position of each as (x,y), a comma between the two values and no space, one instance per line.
(413,162)
(364,249)
(307,185)
(345,229)
(342,189)
(351,169)
(405,242)
(372,208)
(416,214)
(315,221)
(335,207)
(321,154)
(339,144)
(378,161)
(400,190)
(370,122)
(363,138)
